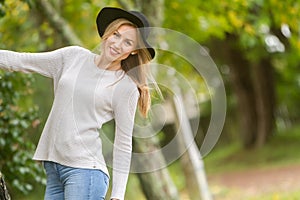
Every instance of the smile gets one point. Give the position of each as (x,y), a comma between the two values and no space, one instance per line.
(114,51)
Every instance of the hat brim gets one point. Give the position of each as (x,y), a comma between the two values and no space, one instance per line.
(109,14)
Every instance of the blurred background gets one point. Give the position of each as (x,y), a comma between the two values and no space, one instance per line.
(254,43)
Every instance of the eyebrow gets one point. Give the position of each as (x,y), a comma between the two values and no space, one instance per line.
(126,38)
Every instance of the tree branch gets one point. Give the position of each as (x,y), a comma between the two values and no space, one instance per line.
(4,195)
(58,23)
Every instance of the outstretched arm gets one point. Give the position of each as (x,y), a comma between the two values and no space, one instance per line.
(48,63)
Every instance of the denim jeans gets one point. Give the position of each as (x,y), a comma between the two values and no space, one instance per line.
(67,183)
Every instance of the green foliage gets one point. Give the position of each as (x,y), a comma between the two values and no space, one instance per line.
(17,117)
(252,22)
(2,10)
(15,32)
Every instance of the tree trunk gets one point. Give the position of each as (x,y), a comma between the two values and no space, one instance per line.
(265,100)
(242,84)
(156,185)
(152,188)
(192,162)
(253,85)
(240,78)
(4,195)
(154,10)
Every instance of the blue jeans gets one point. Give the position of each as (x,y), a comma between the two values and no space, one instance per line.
(67,183)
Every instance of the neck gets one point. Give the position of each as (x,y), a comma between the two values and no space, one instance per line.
(104,64)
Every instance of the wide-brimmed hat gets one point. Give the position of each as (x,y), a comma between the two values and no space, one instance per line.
(109,14)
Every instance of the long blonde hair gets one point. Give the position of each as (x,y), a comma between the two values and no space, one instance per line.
(136,66)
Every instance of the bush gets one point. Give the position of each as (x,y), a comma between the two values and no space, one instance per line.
(17,117)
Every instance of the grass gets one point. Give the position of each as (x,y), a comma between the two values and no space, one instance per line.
(282,150)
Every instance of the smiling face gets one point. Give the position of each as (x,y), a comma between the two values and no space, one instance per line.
(120,44)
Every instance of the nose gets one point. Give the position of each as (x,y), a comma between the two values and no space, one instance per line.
(118,44)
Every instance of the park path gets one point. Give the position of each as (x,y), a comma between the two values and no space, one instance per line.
(256,181)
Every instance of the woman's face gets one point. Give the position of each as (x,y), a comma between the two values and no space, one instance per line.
(121,43)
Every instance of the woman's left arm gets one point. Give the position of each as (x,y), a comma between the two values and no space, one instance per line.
(124,105)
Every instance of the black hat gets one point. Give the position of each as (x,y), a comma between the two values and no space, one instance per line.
(109,14)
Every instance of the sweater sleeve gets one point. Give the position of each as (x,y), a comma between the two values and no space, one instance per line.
(49,64)
(124,105)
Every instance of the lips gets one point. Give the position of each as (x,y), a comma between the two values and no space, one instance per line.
(114,52)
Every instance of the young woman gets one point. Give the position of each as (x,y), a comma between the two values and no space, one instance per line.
(90,90)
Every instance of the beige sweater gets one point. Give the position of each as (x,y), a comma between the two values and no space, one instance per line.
(85,97)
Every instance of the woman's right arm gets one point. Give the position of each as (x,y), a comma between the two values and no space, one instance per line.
(48,63)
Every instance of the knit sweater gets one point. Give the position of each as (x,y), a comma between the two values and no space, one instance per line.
(85,97)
